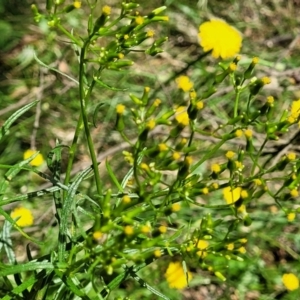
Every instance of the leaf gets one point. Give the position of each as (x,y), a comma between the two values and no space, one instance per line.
(66,211)
(96,112)
(53,69)
(100,82)
(113,177)
(31,266)
(7,124)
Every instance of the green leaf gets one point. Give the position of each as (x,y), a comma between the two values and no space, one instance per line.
(96,112)
(31,266)
(14,117)
(100,82)
(66,212)
(113,177)
(21,288)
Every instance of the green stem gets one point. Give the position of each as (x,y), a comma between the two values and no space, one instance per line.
(236,103)
(83,106)
(73,147)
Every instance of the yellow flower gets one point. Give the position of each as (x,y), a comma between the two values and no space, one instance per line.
(202,244)
(224,40)
(295,109)
(157,253)
(106,9)
(157,102)
(175,207)
(230,154)
(291,216)
(77,4)
(291,156)
(184,83)
(151,124)
(294,193)
(270,100)
(120,108)
(37,161)
(176,155)
(238,133)
(182,117)
(24,215)
(176,277)
(215,168)
(162,147)
(150,33)
(97,235)
(290,281)
(128,230)
(205,191)
(145,229)
(139,20)
(230,246)
(242,250)
(248,133)
(126,199)
(231,196)
(162,229)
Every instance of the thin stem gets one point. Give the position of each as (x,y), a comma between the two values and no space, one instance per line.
(83,105)
(236,103)
(73,147)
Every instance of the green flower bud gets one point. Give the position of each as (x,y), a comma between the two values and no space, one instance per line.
(130,5)
(248,72)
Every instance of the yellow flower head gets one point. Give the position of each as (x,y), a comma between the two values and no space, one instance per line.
(162,229)
(97,235)
(248,133)
(129,230)
(150,33)
(182,117)
(175,207)
(230,246)
(290,281)
(157,102)
(205,191)
(24,215)
(270,100)
(294,193)
(106,9)
(184,83)
(176,277)
(238,133)
(224,40)
(202,244)
(120,108)
(157,253)
(37,161)
(151,124)
(291,156)
(232,196)
(291,216)
(230,154)
(77,4)
(295,109)
(176,155)
(162,147)
(215,168)
(139,20)
(126,199)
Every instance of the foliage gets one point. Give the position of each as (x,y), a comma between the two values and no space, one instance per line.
(198,188)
